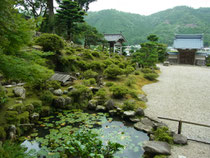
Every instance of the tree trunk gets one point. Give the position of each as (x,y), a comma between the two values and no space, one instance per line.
(50,8)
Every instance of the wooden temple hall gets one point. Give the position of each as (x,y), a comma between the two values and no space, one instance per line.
(188,47)
(115,42)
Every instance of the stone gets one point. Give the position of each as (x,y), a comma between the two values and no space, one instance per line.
(180,139)
(58,92)
(159,125)
(35,117)
(110,105)
(100,108)
(68,83)
(142,97)
(20,84)
(77,74)
(157,147)
(140,112)
(12,132)
(59,102)
(94,89)
(8,86)
(147,122)
(133,119)
(113,112)
(51,89)
(19,92)
(166,63)
(92,104)
(19,101)
(129,113)
(142,127)
(14,83)
(70,88)
(65,92)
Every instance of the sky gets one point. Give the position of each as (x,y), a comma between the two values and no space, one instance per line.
(145,7)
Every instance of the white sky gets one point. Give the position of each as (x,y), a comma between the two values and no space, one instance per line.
(145,7)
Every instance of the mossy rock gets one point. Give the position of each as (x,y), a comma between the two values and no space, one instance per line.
(24,117)
(3,134)
(11,117)
(17,107)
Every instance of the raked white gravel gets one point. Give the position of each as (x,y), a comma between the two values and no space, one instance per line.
(183,92)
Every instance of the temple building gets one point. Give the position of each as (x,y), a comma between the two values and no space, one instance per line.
(115,42)
(188,50)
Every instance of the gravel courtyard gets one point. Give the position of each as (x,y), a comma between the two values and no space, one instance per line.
(183,92)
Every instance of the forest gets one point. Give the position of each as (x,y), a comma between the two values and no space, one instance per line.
(95,90)
(165,24)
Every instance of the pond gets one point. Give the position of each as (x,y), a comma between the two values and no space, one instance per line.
(51,129)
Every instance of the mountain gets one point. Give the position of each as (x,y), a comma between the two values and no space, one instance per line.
(165,24)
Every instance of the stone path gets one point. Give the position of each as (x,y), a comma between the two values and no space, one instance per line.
(183,92)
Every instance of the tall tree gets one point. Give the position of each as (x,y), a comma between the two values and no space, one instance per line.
(68,15)
(50,10)
(85,3)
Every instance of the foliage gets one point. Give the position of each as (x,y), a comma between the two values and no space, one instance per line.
(208,61)
(46,97)
(137,72)
(53,84)
(19,69)
(96,66)
(68,14)
(102,94)
(89,82)
(130,81)
(3,96)
(3,134)
(129,105)
(160,156)
(113,71)
(90,74)
(50,42)
(80,95)
(85,3)
(37,106)
(147,70)
(12,150)
(109,84)
(119,91)
(163,134)
(151,76)
(15,31)
(128,70)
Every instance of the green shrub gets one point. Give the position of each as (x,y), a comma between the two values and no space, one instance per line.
(107,62)
(46,98)
(137,73)
(3,134)
(151,76)
(102,94)
(12,150)
(80,95)
(147,70)
(87,55)
(24,117)
(109,84)
(90,74)
(3,96)
(11,117)
(119,91)
(89,82)
(96,66)
(121,65)
(163,134)
(129,69)
(113,71)
(37,106)
(50,42)
(129,82)
(53,84)
(133,94)
(129,105)
(160,156)
(96,54)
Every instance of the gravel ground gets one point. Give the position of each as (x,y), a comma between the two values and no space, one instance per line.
(183,92)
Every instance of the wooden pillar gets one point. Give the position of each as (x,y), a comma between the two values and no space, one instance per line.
(180,127)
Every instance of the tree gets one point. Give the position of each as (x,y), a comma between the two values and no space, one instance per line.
(84,4)
(152,38)
(69,14)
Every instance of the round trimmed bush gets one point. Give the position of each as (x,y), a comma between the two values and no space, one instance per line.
(113,71)
(119,91)
(90,74)
(151,76)
(50,42)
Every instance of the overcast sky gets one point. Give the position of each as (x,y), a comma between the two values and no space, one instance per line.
(145,7)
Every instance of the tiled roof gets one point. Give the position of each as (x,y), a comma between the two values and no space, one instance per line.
(114,37)
(188,41)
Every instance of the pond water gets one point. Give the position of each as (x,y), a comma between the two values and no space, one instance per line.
(109,129)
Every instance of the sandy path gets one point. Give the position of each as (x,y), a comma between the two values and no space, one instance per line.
(183,92)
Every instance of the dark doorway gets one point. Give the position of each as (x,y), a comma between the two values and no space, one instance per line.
(187,57)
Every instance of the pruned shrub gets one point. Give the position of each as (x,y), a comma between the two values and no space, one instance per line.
(3,96)
(80,95)
(53,84)
(113,71)
(102,94)
(109,84)
(89,82)
(129,105)
(163,134)
(96,54)
(147,70)
(129,69)
(90,74)
(151,76)
(96,66)
(87,55)
(50,42)
(46,98)
(118,91)
(136,73)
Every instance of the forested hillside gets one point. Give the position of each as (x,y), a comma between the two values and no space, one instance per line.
(165,23)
